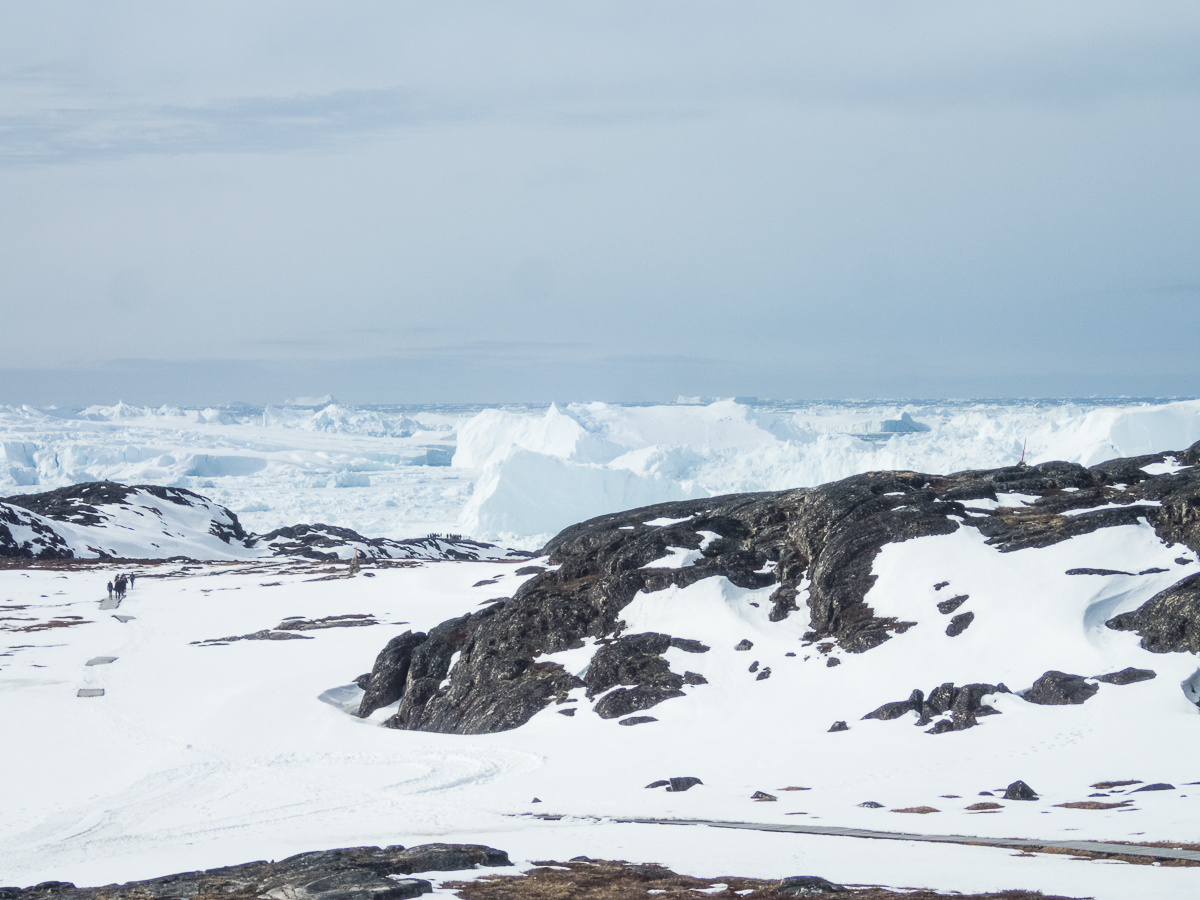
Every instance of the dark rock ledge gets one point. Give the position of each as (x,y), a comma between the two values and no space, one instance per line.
(825,537)
(354,873)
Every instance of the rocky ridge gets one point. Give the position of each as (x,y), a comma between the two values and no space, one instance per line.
(484,672)
(96,513)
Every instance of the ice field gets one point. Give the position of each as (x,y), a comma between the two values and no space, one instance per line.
(521,474)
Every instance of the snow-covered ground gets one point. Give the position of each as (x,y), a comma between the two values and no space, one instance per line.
(519,474)
(204,755)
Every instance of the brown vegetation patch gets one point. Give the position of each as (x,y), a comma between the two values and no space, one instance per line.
(1093,804)
(922,810)
(1132,859)
(794,788)
(53,623)
(1109,785)
(617,880)
(978,806)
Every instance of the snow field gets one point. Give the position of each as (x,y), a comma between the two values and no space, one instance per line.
(199,756)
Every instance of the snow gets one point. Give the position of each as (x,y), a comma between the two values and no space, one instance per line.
(199,756)
(521,473)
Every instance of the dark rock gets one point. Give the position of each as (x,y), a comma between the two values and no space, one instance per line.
(363,680)
(387,679)
(832,661)
(353,620)
(1060,689)
(959,624)
(1019,790)
(1152,571)
(941,727)
(657,784)
(529,570)
(637,720)
(839,726)
(1086,571)
(623,701)
(808,886)
(754,666)
(484,582)
(940,585)
(651,873)
(682,784)
(763,796)
(694,678)
(567,712)
(1161,786)
(536,800)
(689,646)
(948,606)
(1128,675)
(895,710)
(353,873)
(789,653)
(986,794)
(871,804)
(1169,622)
(744,644)
(764,674)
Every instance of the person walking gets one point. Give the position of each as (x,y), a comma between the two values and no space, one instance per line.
(110,590)
(132,575)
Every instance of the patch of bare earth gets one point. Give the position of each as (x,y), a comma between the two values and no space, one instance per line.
(919,810)
(617,880)
(1091,856)
(1093,804)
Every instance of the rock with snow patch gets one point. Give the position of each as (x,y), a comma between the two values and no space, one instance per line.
(808,886)
(1060,689)
(1169,622)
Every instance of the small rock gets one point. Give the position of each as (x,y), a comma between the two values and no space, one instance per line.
(654,873)
(1160,786)
(948,606)
(808,886)
(959,624)
(567,712)
(754,666)
(976,807)
(637,720)
(763,796)
(789,653)
(839,726)
(535,800)
(986,794)
(832,661)
(657,784)
(694,678)
(1128,675)
(679,785)
(1019,790)
(871,804)
(1060,689)
(764,674)
(744,644)
(940,585)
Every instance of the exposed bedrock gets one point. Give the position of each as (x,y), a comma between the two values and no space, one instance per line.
(1169,622)
(814,546)
(953,708)
(352,872)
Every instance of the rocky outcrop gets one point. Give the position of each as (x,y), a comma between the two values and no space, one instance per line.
(813,547)
(1169,622)
(1060,689)
(354,873)
(953,708)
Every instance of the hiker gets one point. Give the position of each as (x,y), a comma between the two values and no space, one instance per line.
(120,586)
(110,590)
(132,576)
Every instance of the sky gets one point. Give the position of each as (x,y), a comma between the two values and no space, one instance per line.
(400,202)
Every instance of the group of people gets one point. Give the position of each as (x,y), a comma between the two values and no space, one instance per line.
(120,584)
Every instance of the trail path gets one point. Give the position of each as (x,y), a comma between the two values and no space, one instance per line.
(835,831)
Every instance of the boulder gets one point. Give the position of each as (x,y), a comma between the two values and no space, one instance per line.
(1019,790)
(1128,675)
(1060,689)
(808,886)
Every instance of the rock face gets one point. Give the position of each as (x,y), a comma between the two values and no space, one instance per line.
(355,873)
(822,540)
(1169,622)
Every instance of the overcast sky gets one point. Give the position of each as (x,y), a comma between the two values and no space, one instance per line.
(449,201)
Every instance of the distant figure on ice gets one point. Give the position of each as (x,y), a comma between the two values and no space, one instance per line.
(110,590)
(132,576)
(120,587)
